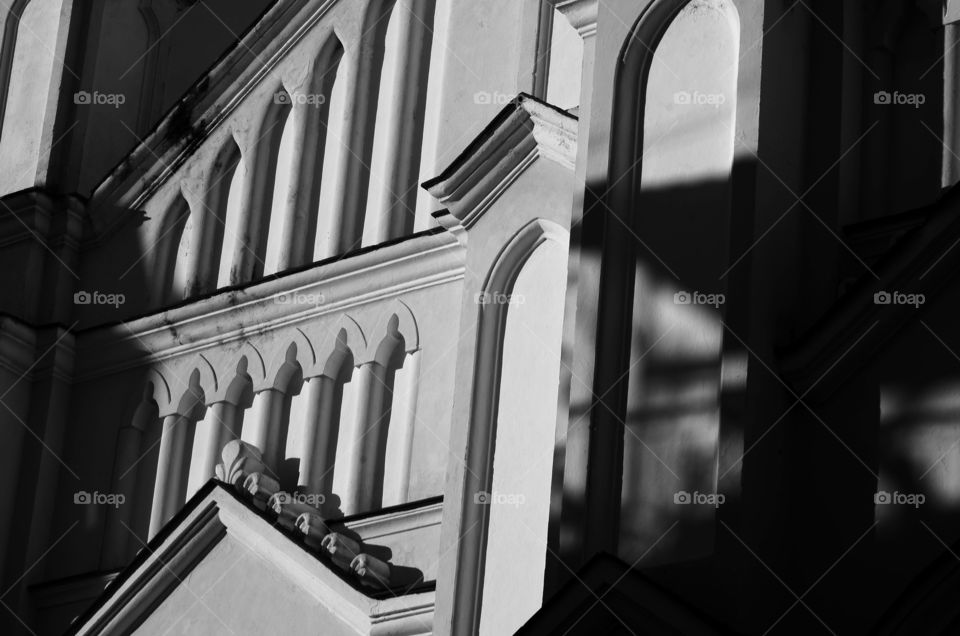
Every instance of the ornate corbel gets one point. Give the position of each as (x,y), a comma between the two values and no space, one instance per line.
(314,529)
(288,510)
(261,487)
(372,571)
(342,549)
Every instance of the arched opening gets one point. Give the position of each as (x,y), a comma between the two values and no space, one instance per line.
(336,134)
(518,497)
(221,423)
(319,435)
(175,453)
(229,198)
(399,122)
(515,302)
(296,198)
(267,425)
(282,151)
(173,251)
(676,197)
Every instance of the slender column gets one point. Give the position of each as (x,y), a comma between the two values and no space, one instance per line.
(221,425)
(407,425)
(363,490)
(269,427)
(117,538)
(300,213)
(398,195)
(360,115)
(319,435)
(258,177)
(170,489)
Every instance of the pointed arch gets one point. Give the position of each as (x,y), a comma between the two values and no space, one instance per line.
(396,319)
(160,392)
(344,332)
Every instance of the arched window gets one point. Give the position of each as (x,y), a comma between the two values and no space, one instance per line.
(676,196)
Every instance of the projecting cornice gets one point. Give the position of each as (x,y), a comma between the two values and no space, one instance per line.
(525,131)
(581,14)
(854,331)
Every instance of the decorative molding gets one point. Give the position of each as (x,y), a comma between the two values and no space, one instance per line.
(244,315)
(581,14)
(525,131)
